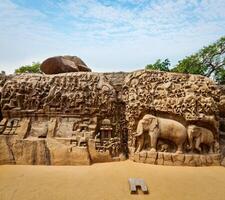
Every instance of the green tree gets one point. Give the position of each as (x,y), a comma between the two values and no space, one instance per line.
(209,61)
(190,65)
(2,72)
(220,76)
(33,68)
(159,65)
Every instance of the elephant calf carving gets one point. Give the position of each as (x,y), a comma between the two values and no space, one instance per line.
(201,136)
(156,128)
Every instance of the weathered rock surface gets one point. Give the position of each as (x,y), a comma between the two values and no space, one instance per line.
(31,152)
(86,117)
(172,159)
(61,154)
(6,155)
(63,64)
(223,162)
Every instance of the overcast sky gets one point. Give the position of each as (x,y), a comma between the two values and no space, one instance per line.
(109,35)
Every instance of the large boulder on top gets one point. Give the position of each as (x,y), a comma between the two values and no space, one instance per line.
(63,64)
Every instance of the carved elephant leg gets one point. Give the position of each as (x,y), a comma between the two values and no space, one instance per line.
(179,148)
(190,140)
(211,148)
(140,142)
(197,144)
(154,138)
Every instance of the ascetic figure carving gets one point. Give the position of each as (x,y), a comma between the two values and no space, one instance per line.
(160,128)
(198,135)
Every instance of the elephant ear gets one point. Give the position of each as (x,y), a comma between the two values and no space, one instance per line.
(139,128)
(153,124)
(196,131)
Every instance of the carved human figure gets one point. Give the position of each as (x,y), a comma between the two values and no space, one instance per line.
(160,128)
(198,135)
(20,95)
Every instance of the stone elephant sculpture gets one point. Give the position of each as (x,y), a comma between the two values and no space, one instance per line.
(157,128)
(201,136)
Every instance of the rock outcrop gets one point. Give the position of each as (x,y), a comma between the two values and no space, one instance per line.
(63,64)
(86,117)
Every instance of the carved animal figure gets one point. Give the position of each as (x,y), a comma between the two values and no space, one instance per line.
(164,147)
(141,140)
(201,136)
(160,128)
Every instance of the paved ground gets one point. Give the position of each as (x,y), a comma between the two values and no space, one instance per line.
(109,181)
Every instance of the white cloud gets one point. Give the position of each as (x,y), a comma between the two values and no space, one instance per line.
(123,35)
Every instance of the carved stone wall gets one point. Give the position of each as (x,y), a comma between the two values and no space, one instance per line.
(86,117)
(185,97)
(178,103)
(222,123)
(3,79)
(62,116)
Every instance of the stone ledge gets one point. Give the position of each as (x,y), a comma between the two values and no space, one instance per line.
(173,159)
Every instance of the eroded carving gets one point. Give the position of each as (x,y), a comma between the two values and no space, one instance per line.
(152,128)
(199,135)
(182,101)
(149,116)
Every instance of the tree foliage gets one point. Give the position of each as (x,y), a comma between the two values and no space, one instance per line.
(33,68)
(190,65)
(209,61)
(220,76)
(2,72)
(159,65)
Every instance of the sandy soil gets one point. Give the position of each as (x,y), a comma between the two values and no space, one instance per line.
(109,181)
